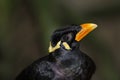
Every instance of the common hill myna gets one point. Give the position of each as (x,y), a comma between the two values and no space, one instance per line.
(65,60)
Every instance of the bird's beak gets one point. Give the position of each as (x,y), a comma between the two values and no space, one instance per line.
(86,28)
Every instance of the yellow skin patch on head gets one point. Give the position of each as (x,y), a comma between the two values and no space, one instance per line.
(52,49)
(66,46)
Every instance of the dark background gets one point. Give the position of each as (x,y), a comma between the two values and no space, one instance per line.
(26,26)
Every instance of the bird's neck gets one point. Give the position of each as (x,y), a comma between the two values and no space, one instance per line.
(67,62)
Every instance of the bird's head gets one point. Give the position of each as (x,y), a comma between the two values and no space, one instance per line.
(68,38)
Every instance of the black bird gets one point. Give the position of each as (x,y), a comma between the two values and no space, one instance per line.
(65,61)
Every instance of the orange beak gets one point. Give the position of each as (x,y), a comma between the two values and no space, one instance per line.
(86,28)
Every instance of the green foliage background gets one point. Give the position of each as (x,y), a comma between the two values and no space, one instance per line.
(26,26)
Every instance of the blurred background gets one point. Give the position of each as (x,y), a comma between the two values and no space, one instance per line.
(26,27)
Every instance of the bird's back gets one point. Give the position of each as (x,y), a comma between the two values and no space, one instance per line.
(38,70)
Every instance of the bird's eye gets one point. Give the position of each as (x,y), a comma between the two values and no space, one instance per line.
(68,37)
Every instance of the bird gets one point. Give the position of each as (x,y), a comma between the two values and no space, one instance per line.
(65,60)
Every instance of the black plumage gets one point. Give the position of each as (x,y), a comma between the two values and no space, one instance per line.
(61,63)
